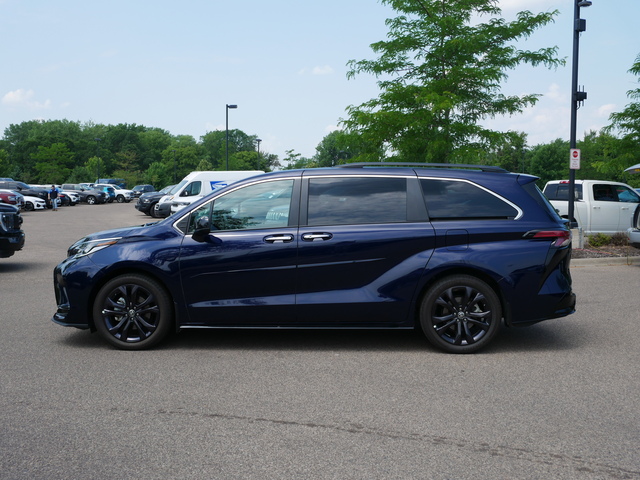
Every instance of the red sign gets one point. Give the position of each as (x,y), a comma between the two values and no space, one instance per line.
(574,162)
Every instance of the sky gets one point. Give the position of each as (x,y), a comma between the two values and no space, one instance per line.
(176,65)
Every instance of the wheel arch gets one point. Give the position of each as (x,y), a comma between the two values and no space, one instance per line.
(119,270)
(462,270)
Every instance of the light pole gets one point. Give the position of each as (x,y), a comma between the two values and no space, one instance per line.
(577,98)
(98,158)
(258,140)
(174,166)
(227,127)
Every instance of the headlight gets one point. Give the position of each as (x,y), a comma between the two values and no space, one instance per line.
(84,246)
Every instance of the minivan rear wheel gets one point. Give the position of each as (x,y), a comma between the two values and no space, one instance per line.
(460,314)
(132,312)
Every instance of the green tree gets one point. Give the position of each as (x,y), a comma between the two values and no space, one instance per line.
(439,75)
(627,123)
(54,163)
(550,161)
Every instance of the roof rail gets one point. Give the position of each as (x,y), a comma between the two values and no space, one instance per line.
(484,168)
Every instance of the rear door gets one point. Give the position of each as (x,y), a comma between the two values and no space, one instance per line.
(363,243)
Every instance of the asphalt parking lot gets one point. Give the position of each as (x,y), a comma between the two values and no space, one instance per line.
(559,399)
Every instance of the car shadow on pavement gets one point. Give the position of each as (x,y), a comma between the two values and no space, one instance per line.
(527,339)
(14,267)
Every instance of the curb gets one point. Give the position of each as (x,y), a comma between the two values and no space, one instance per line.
(605,261)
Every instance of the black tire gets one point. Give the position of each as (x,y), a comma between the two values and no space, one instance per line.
(152,210)
(460,314)
(120,198)
(91,200)
(133,312)
(28,206)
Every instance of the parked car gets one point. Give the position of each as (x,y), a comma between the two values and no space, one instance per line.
(201,183)
(109,190)
(633,232)
(112,181)
(24,189)
(147,201)
(34,203)
(73,197)
(121,194)
(600,206)
(88,195)
(453,251)
(11,234)
(11,198)
(140,189)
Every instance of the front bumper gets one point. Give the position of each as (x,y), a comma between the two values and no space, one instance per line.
(11,243)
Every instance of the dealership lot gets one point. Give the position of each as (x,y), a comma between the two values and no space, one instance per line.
(556,400)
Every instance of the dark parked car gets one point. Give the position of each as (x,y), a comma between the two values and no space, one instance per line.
(87,195)
(455,251)
(140,189)
(11,234)
(147,201)
(25,189)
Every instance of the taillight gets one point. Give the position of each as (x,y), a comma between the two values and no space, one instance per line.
(561,238)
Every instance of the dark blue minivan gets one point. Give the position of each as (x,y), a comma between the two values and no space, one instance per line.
(455,250)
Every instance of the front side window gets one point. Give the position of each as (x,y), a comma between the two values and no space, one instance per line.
(458,200)
(360,200)
(625,194)
(261,205)
(192,189)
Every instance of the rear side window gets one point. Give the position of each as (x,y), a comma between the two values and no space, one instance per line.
(359,200)
(459,200)
(560,191)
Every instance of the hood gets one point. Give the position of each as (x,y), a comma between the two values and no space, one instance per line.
(108,237)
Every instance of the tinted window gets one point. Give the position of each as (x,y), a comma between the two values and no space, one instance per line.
(344,201)
(560,191)
(262,205)
(451,199)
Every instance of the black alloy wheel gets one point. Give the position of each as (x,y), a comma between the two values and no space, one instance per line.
(28,206)
(460,314)
(120,198)
(133,312)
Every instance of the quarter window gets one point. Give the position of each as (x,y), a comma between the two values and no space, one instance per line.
(456,200)
(348,201)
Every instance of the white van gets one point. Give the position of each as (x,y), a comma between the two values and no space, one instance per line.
(198,184)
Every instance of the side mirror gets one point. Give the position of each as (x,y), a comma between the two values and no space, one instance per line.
(202,230)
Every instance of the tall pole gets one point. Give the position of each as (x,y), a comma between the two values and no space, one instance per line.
(227,130)
(174,167)
(577,98)
(258,140)
(97,159)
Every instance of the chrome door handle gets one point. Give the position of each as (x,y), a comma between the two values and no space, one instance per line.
(312,237)
(279,238)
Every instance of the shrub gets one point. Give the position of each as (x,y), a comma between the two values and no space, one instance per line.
(599,239)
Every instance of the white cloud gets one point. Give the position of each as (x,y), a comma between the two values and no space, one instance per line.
(325,70)
(22,98)
(519,5)
(317,70)
(606,110)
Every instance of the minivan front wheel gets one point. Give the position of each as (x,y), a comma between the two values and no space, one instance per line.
(460,314)
(132,312)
